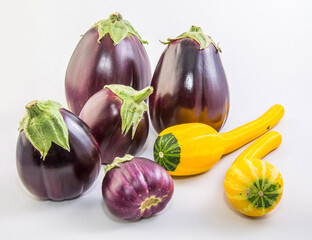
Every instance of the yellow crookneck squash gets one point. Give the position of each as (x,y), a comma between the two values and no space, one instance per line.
(193,148)
(253,186)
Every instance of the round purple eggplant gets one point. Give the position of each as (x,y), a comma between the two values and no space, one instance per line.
(136,187)
(110,52)
(189,83)
(110,113)
(56,155)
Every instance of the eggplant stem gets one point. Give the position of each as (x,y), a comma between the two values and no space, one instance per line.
(195,29)
(31,104)
(143,94)
(115,16)
(116,162)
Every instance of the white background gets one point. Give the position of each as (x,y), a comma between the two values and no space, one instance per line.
(267,56)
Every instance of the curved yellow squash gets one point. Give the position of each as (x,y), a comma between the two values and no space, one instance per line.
(193,148)
(253,186)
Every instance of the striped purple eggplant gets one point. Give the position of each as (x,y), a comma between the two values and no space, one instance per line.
(110,52)
(110,113)
(135,188)
(56,155)
(189,83)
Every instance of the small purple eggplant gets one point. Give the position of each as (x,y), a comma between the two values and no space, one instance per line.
(136,187)
(110,52)
(189,83)
(110,113)
(56,155)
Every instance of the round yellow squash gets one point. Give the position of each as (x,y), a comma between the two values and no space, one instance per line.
(253,186)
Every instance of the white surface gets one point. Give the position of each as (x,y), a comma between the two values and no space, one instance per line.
(267,55)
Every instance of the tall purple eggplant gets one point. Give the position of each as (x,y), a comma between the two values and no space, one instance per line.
(110,52)
(136,187)
(110,113)
(189,83)
(56,155)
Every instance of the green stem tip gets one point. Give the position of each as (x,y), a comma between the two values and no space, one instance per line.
(196,34)
(31,104)
(117,28)
(141,95)
(117,161)
(115,16)
(133,105)
(195,29)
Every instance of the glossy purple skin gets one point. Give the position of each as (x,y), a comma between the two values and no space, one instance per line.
(94,65)
(102,114)
(189,86)
(62,175)
(124,188)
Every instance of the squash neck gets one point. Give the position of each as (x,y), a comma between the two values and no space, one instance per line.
(262,146)
(242,135)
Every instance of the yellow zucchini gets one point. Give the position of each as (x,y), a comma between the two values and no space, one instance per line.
(253,186)
(192,148)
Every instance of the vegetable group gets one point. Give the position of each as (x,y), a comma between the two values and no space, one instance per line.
(110,52)
(59,155)
(136,187)
(254,186)
(193,148)
(111,113)
(189,83)
(56,155)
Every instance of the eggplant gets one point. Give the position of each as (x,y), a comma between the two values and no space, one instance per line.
(57,157)
(189,83)
(110,113)
(135,188)
(110,52)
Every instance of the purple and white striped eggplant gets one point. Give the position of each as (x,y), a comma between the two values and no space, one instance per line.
(110,52)
(189,83)
(111,113)
(136,187)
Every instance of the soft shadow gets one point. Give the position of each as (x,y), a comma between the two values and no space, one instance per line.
(238,213)
(112,217)
(122,221)
(189,177)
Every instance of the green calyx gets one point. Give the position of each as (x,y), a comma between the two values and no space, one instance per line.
(133,105)
(44,124)
(116,162)
(196,33)
(116,27)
